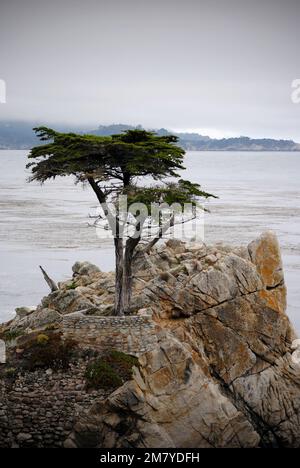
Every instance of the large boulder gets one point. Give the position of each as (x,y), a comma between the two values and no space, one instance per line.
(22,312)
(66,301)
(265,254)
(39,319)
(85,268)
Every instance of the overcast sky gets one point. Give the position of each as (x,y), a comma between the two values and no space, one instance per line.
(221,67)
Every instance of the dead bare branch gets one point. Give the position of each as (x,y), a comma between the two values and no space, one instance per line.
(52,285)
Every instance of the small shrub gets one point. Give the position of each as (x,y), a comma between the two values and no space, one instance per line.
(47,351)
(101,375)
(42,339)
(10,335)
(110,371)
(10,372)
(125,361)
(51,327)
(72,285)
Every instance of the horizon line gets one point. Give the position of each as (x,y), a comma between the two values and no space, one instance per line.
(204,131)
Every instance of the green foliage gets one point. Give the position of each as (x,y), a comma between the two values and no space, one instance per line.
(10,372)
(47,351)
(10,335)
(110,371)
(126,361)
(100,374)
(181,193)
(42,339)
(72,285)
(123,157)
(132,154)
(51,327)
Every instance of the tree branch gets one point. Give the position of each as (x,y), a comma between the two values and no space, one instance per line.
(102,200)
(162,230)
(52,285)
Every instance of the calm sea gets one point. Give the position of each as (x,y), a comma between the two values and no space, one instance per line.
(48,225)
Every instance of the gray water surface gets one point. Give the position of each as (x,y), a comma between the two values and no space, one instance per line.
(48,225)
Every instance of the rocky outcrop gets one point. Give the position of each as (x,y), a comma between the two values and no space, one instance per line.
(265,254)
(222,374)
(224,370)
(171,402)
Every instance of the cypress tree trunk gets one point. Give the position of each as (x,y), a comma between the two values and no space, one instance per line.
(127,281)
(127,273)
(118,241)
(119,276)
(123,282)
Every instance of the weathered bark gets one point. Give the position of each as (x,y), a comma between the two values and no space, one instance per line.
(127,274)
(131,244)
(123,282)
(127,285)
(52,285)
(119,275)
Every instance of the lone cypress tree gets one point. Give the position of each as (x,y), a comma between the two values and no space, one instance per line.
(111,166)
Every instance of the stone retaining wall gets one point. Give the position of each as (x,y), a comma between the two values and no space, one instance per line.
(38,409)
(130,334)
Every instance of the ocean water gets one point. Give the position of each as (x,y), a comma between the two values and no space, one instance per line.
(48,225)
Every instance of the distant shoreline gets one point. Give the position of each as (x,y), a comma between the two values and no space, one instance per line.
(20,135)
(201,150)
